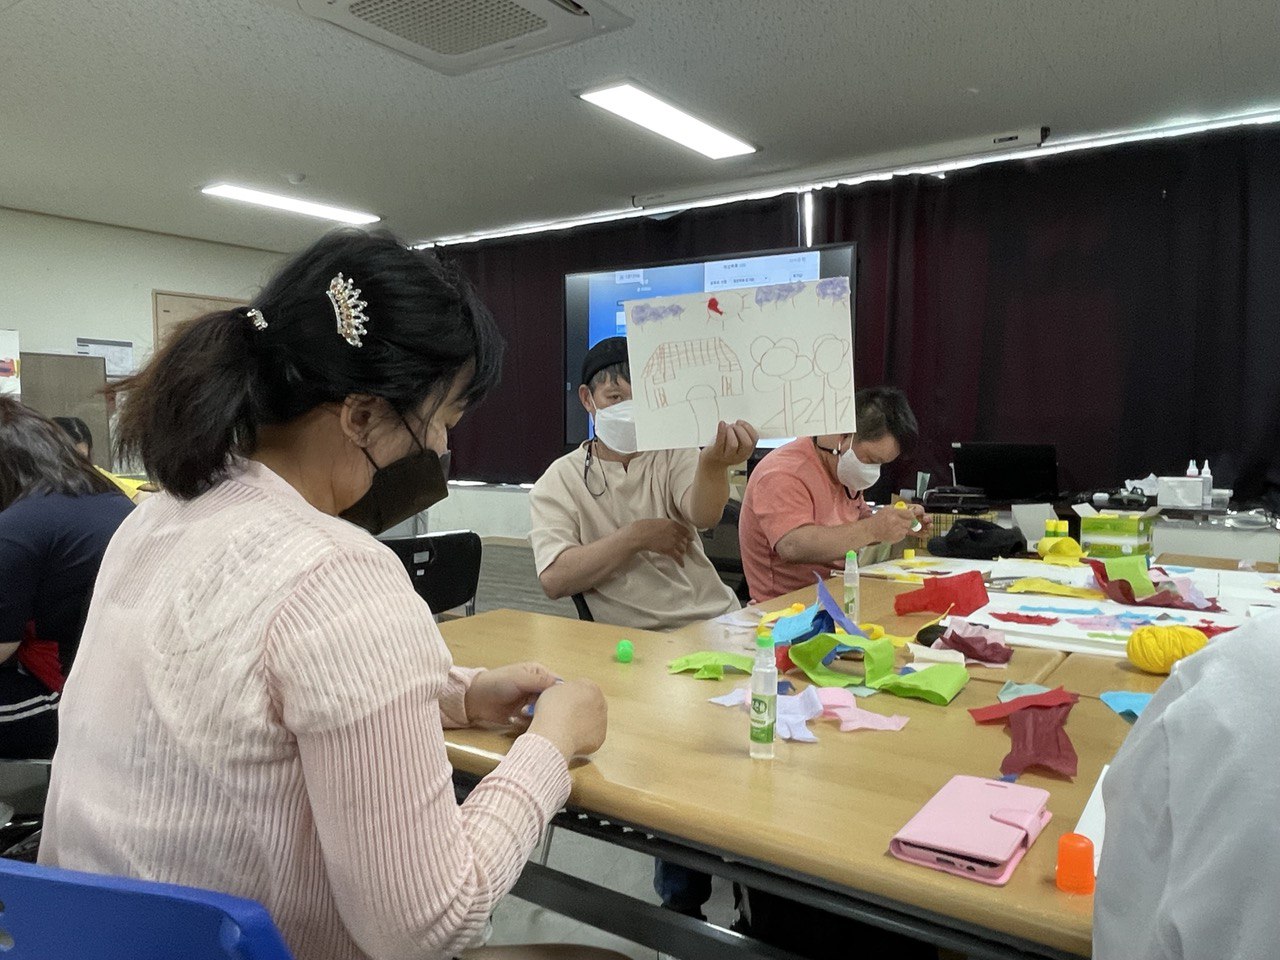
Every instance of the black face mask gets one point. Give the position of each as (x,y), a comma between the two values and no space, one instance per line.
(400,490)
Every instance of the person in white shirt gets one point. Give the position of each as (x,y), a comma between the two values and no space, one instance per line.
(1191,864)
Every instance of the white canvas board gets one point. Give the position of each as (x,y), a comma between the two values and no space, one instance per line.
(1072,637)
(779,356)
(10,364)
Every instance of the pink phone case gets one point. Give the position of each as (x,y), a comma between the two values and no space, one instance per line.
(975,828)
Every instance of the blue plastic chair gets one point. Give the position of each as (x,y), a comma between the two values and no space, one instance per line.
(52,914)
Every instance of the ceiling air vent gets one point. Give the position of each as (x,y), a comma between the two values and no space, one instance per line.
(458,36)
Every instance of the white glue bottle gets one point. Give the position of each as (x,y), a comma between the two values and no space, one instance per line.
(852,596)
(1206,477)
(764,699)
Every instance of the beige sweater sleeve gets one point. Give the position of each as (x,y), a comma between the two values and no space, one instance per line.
(360,674)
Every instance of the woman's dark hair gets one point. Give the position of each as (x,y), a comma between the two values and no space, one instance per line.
(202,398)
(884,410)
(77,430)
(37,458)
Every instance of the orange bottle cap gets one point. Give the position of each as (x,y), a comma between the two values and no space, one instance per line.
(1075,864)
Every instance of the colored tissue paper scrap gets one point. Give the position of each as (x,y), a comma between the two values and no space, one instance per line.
(1211,630)
(1039,739)
(794,712)
(809,656)
(924,656)
(938,684)
(961,594)
(1027,619)
(838,704)
(1126,703)
(1179,593)
(1000,711)
(1012,691)
(1049,588)
(1133,571)
(798,627)
(711,664)
(838,617)
(1037,731)
(1060,550)
(978,644)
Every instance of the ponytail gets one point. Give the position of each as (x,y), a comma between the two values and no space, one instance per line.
(192,407)
(221,377)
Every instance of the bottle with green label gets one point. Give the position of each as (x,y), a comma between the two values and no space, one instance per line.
(852,601)
(764,699)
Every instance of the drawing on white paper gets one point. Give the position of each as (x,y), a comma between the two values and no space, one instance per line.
(692,373)
(835,289)
(779,293)
(649,312)
(779,356)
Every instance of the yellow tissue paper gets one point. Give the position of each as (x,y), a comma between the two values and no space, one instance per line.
(1040,585)
(1062,551)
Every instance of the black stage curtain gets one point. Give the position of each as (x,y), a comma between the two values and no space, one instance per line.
(519,429)
(1121,303)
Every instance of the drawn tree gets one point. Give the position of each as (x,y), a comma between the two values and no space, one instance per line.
(779,367)
(832,361)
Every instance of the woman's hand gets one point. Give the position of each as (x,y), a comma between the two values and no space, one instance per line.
(502,695)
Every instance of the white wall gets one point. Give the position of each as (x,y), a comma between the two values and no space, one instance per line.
(66,278)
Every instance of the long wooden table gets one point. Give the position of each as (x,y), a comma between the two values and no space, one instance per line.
(815,822)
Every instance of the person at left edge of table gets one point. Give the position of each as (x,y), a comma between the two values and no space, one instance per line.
(82,440)
(57,515)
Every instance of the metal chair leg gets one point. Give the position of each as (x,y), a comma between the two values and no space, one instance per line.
(544,851)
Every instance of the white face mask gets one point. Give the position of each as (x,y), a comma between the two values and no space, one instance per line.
(616,427)
(855,474)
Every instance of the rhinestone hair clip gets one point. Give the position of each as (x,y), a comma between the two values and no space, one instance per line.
(259,321)
(348,309)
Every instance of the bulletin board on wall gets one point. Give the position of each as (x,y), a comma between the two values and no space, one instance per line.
(68,385)
(170,309)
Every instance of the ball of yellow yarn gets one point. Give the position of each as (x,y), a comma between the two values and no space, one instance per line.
(1157,649)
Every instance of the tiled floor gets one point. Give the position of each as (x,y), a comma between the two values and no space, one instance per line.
(624,871)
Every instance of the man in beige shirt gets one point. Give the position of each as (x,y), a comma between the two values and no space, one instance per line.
(620,527)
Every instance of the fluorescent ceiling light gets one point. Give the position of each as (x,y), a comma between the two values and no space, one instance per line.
(640,107)
(1181,128)
(292,204)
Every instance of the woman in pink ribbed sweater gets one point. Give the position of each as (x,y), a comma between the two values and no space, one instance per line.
(259,698)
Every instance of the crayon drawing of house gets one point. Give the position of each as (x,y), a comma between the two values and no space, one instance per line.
(688,370)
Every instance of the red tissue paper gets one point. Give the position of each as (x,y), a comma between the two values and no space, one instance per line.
(999,711)
(1037,731)
(961,594)
(1166,595)
(985,646)
(1030,619)
(1039,739)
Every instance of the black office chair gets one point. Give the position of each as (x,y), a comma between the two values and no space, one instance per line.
(444,567)
(584,612)
(725,553)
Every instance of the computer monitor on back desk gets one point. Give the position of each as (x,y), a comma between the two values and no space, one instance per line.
(1009,472)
